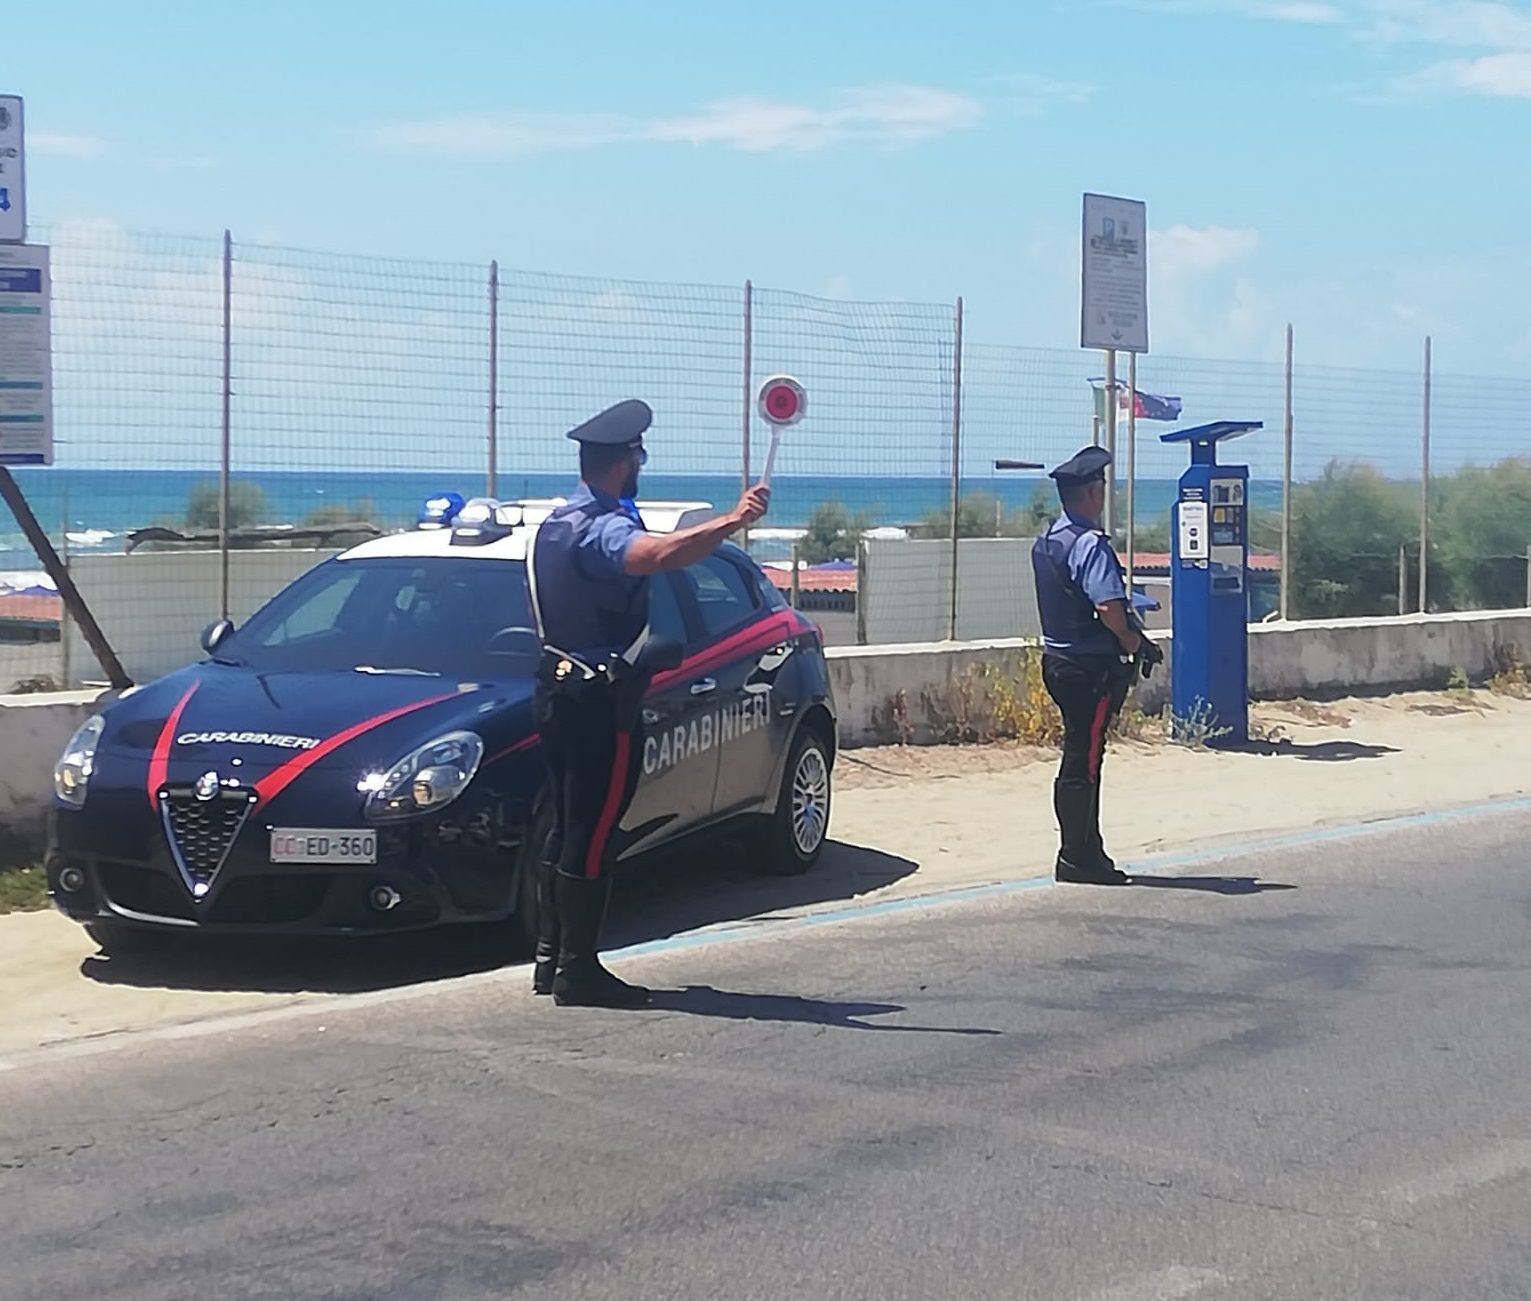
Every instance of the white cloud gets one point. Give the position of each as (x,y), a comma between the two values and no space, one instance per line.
(889,115)
(1315,12)
(1191,250)
(59,144)
(1469,23)
(1497,76)
(1199,303)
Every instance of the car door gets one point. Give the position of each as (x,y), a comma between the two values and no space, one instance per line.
(679,763)
(740,680)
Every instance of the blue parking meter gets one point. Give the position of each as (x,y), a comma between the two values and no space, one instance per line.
(1209,680)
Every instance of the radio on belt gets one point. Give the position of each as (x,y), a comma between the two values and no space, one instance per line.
(1209,677)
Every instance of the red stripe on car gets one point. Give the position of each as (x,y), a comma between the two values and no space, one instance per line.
(159,761)
(758,636)
(279,779)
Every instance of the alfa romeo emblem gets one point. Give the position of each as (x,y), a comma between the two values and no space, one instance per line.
(207,786)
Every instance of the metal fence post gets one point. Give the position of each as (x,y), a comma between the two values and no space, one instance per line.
(1286,492)
(797,563)
(748,382)
(226,440)
(951,627)
(1132,467)
(861,592)
(1424,491)
(1403,577)
(1528,575)
(493,476)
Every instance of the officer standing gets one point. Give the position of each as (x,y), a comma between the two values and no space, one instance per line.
(589,578)
(1093,646)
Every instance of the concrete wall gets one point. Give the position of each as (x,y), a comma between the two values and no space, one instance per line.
(1302,659)
(905,590)
(33,733)
(152,606)
(20,660)
(1359,655)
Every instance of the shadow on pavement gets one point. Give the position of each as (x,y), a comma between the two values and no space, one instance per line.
(703,1000)
(1211,884)
(667,897)
(1321,751)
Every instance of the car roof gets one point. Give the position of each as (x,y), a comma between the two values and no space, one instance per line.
(658,517)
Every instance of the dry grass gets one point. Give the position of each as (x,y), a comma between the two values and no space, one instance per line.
(23,889)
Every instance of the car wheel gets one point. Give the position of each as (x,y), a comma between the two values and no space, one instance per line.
(791,839)
(118,941)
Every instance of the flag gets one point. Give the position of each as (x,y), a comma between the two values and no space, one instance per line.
(1145,406)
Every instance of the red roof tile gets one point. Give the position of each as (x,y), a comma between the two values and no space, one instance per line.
(32,609)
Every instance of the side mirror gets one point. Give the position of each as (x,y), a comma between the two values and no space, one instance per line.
(661,654)
(215,634)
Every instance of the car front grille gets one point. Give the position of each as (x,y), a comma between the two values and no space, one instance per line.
(202,831)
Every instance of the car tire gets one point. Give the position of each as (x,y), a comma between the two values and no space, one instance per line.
(789,841)
(118,941)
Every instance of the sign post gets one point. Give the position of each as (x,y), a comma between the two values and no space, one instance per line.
(1113,300)
(26,375)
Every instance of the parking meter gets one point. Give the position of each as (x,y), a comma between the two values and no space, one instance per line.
(1209,679)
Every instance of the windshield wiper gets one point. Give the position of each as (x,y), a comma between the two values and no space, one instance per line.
(413,673)
(229,661)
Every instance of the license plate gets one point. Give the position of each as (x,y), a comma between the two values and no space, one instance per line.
(315,845)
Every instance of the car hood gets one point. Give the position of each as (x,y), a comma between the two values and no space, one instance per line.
(263,724)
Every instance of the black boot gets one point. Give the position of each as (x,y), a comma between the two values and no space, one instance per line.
(1097,849)
(546,966)
(582,981)
(1075,803)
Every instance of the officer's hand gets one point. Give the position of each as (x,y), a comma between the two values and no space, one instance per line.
(1150,656)
(752,505)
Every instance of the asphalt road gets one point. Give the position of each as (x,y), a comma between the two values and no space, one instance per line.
(1301,1074)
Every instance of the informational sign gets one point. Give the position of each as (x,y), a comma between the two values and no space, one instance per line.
(26,357)
(1114,298)
(13,173)
(1193,532)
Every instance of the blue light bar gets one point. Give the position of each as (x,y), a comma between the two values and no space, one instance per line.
(440,511)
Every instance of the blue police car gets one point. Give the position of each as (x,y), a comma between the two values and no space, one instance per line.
(360,756)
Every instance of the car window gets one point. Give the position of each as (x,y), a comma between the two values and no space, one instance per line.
(315,614)
(665,618)
(724,600)
(458,617)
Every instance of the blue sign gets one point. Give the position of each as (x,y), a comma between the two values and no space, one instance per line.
(21,280)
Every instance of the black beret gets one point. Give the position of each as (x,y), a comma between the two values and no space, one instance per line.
(1088,465)
(618,426)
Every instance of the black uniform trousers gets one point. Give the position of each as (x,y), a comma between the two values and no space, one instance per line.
(592,743)
(1089,692)
(593,746)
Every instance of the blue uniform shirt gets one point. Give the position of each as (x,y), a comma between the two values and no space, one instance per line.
(590,606)
(1085,556)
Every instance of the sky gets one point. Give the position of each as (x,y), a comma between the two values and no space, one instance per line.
(1355,167)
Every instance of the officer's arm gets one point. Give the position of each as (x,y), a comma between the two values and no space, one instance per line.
(652,553)
(1114,615)
(1099,574)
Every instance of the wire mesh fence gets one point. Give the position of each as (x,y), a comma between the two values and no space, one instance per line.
(357,387)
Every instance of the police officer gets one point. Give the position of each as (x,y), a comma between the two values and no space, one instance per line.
(589,578)
(1093,645)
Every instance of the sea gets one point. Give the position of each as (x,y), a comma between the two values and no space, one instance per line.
(93,510)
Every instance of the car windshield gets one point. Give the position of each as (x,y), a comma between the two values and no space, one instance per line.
(457,617)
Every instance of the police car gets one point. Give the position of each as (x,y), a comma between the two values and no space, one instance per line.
(360,755)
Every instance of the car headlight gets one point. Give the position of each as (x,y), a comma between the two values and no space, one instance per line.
(71,774)
(425,779)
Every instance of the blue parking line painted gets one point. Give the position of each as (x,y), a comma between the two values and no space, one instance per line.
(1153,863)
